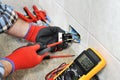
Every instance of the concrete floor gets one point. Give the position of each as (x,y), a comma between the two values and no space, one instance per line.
(9,43)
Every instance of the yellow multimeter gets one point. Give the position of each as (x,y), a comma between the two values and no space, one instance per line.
(84,67)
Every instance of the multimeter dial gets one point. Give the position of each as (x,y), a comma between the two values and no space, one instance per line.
(85,62)
(72,73)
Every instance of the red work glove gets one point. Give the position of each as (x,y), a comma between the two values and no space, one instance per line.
(42,34)
(45,35)
(25,57)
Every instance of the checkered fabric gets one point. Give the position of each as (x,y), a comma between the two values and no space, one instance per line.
(7,17)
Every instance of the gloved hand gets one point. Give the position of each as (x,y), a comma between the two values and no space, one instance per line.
(42,34)
(25,57)
(45,35)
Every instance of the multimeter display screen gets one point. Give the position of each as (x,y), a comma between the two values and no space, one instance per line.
(85,62)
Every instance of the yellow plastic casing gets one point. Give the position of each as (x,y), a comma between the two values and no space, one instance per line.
(93,71)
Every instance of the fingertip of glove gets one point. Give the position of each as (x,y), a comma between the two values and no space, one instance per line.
(36,46)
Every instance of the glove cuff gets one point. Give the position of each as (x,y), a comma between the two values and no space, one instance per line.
(12,63)
(33,32)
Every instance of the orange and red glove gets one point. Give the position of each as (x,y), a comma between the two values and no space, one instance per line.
(25,57)
(46,36)
(42,34)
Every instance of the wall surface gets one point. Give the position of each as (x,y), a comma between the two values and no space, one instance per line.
(98,22)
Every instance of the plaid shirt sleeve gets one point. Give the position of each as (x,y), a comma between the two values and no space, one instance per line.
(7,17)
(2,71)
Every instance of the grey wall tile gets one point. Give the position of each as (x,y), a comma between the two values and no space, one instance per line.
(104,24)
(79,9)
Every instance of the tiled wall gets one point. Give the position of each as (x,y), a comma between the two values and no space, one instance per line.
(98,22)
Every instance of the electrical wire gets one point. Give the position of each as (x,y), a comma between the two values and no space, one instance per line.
(53,73)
